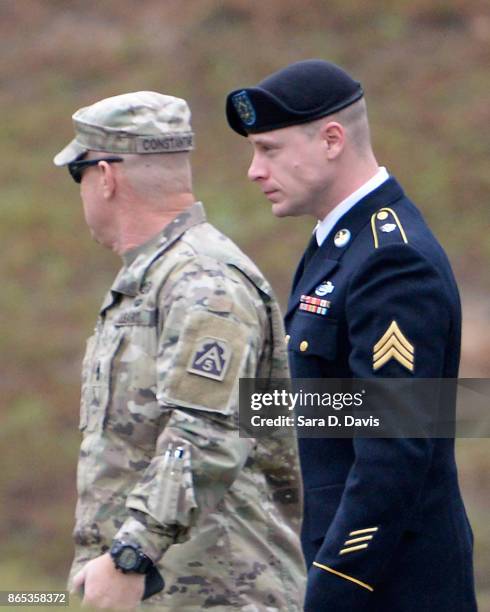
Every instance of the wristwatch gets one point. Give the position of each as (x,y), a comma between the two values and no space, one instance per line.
(128,558)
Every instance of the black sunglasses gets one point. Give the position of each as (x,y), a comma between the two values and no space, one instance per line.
(76,168)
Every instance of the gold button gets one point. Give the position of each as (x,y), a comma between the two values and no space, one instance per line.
(287,338)
(303,346)
(382,215)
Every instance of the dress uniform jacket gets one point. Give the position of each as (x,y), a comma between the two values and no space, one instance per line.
(385,529)
(161,462)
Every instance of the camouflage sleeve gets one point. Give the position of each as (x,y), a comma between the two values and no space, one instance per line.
(212,333)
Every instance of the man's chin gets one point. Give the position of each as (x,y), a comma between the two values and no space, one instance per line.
(94,236)
(280,209)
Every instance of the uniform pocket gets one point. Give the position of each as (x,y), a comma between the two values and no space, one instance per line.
(201,371)
(166,491)
(96,380)
(312,334)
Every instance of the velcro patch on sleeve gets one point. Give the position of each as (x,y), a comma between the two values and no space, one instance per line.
(207,364)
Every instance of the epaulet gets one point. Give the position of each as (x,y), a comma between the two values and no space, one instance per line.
(387,228)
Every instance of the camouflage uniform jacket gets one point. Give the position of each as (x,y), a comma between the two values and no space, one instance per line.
(161,462)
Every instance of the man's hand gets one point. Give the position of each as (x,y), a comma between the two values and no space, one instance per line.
(106,587)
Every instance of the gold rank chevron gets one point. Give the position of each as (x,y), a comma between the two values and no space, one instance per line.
(393,345)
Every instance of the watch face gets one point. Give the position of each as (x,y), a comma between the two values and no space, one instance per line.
(128,558)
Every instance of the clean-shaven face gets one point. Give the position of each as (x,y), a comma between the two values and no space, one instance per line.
(290,167)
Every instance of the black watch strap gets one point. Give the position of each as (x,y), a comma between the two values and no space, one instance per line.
(145,564)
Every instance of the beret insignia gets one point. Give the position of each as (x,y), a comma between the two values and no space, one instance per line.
(244,108)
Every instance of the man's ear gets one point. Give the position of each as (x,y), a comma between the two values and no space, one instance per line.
(107,179)
(333,134)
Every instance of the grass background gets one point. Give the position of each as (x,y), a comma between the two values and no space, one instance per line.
(424,66)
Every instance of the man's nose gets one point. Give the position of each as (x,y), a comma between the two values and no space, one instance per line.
(256,169)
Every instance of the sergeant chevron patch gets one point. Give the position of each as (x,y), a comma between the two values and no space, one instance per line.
(393,345)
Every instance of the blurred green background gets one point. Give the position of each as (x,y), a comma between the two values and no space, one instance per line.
(425,68)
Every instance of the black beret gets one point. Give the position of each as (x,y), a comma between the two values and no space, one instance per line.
(301,92)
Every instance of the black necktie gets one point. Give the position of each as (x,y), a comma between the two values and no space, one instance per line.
(311,249)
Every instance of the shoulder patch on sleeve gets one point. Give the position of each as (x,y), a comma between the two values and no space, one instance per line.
(386,228)
(204,366)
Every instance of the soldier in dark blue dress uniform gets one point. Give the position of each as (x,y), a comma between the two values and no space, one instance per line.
(385,529)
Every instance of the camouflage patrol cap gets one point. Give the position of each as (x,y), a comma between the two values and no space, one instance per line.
(138,122)
(299,93)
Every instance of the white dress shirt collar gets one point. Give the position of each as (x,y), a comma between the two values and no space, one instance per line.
(324,227)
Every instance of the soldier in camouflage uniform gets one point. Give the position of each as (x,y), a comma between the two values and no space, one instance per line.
(163,473)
